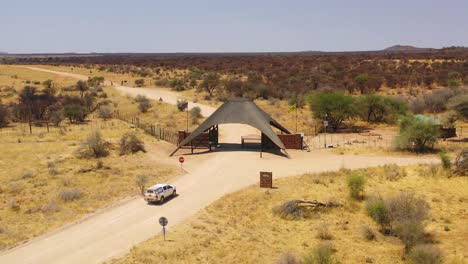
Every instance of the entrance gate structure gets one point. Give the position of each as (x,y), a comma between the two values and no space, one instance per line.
(234,111)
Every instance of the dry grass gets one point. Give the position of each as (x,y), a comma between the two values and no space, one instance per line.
(241,227)
(44,201)
(116,78)
(17,76)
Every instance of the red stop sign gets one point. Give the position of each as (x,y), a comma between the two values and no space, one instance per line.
(181,159)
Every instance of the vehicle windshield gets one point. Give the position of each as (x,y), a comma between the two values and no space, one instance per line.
(159,190)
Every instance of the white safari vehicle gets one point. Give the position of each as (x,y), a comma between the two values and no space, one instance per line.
(159,192)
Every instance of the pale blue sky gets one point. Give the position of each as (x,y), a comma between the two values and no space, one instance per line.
(42,26)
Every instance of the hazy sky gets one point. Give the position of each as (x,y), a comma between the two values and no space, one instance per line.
(35,26)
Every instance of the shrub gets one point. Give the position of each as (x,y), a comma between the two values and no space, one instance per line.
(4,116)
(13,205)
(445,160)
(56,117)
(461,163)
(144,104)
(105,113)
(51,207)
(66,181)
(322,254)
(196,112)
(139,82)
(52,169)
(356,185)
(129,143)
(393,172)
(70,195)
(99,164)
(425,254)
(27,175)
(286,258)
(290,210)
(402,215)
(323,232)
(417,134)
(437,101)
(417,106)
(459,104)
(368,233)
(141,181)
(377,211)
(96,144)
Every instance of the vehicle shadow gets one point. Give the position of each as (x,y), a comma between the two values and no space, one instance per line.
(165,200)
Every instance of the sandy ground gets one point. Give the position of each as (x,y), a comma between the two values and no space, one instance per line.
(208,176)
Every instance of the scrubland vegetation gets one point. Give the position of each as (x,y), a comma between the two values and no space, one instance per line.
(50,180)
(377,215)
(63,155)
(412,214)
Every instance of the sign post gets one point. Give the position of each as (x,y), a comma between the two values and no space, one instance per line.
(325,124)
(163,222)
(181,161)
(266,179)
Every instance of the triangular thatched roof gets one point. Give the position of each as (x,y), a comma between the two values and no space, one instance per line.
(241,111)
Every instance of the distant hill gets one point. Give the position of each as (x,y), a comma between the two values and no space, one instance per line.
(405,48)
(2,52)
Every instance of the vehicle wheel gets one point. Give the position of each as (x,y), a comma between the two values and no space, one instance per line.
(162,200)
(174,193)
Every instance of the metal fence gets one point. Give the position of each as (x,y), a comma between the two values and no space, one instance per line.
(161,133)
(369,139)
(119,122)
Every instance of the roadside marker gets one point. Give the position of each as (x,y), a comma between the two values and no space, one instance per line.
(163,222)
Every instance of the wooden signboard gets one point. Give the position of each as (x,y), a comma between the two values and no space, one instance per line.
(266,179)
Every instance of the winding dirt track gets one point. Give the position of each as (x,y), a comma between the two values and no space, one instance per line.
(114,231)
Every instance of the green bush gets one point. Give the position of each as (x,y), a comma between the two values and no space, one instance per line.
(417,134)
(139,82)
(377,211)
(445,160)
(356,185)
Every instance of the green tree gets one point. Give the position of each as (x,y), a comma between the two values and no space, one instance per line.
(454,80)
(211,82)
(4,116)
(82,87)
(459,104)
(47,83)
(378,109)
(362,80)
(417,134)
(334,107)
(74,113)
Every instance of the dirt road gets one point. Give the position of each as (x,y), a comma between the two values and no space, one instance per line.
(114,231)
